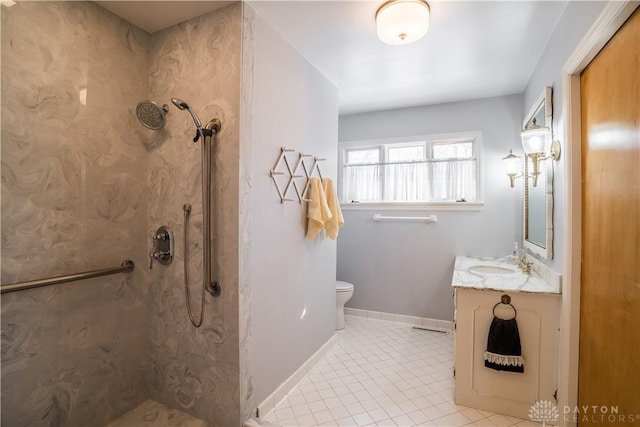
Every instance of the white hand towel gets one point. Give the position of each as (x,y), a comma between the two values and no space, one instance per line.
(336,220)
(317,210)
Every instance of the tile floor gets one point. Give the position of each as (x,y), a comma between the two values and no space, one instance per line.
(383,373)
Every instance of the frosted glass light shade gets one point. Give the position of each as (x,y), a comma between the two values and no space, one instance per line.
(536,139)
(512,167)
(512,164)
(402,21)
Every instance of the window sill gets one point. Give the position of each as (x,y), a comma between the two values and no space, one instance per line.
(413,206)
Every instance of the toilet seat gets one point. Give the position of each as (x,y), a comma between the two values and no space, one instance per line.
(343,286)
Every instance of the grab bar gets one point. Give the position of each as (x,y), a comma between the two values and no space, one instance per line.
(428,219)
(127,266)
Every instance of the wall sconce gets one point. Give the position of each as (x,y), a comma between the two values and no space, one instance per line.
(512,165)
(537,145)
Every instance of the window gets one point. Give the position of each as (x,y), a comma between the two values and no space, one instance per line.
(425,169)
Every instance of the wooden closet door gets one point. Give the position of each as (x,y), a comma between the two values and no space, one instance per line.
(609,369)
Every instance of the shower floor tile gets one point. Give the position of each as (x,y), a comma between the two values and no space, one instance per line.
(153,414)
(382,373)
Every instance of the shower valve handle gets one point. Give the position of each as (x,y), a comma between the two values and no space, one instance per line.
(161,255)
(162,247)
(164,257)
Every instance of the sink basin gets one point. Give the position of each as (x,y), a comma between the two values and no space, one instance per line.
(491,269)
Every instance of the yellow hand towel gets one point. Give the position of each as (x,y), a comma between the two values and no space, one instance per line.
(317,210)
(336,221)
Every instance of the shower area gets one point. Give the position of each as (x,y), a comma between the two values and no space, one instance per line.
(85,186)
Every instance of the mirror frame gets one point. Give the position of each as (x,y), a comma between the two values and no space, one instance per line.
(543,102)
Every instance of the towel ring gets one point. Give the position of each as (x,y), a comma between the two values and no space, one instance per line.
(505,300)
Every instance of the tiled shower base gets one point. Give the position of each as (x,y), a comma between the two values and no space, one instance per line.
(153,414)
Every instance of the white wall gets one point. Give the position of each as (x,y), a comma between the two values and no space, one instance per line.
(573,25)
(406,268)
(292,279)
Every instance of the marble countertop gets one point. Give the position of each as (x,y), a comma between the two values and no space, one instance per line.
(465,276)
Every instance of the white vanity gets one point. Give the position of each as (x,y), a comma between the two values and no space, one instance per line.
(479,284)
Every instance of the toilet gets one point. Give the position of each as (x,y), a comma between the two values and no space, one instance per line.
(344,292)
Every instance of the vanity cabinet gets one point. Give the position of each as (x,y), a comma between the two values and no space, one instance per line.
(507,393)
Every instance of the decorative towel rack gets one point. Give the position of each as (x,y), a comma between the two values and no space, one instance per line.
(427,219)
(127,266)
(292,174)
(505,300)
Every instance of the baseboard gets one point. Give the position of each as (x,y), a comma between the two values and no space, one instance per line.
(264,409)
(422,322)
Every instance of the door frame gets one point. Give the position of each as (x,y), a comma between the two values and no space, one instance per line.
(613,16)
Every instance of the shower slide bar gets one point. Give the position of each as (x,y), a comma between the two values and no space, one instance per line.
(427,219)
(127,266)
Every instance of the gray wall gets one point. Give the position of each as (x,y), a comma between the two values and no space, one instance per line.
(406,268)
(292,279)
(74,181)
(573,25)
(196,370)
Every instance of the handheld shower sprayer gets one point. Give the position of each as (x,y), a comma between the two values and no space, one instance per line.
(184,106)
(209,129)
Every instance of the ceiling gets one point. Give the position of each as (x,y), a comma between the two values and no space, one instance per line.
(474,49)
(154,16)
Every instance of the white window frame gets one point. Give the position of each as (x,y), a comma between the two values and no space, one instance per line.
(476,205)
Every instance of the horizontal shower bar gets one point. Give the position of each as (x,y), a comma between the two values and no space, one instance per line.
(430,218)
(127,266)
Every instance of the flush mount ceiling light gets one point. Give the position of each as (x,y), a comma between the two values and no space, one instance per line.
(402,21)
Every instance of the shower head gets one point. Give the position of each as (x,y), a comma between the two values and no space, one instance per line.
(184,106)
(151,115)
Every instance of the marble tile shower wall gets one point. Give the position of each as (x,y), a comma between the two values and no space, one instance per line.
(84,185)
(244,226)
(74,183)
(197,370)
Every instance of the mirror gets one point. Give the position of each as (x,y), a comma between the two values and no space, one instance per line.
(538,200)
